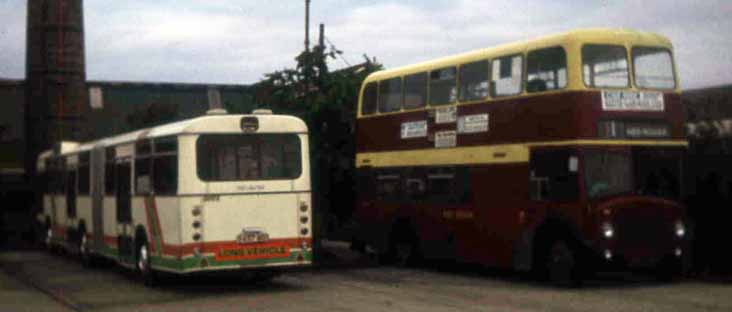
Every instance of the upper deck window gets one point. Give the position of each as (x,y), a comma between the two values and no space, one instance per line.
(368,101)
(546,69)
(390,95)
(507,75)
(474,81)
(653,68)
(236,157)
(415,91)
(605,66)
(443,86)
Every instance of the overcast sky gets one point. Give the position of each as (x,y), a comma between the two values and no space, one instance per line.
(238,41)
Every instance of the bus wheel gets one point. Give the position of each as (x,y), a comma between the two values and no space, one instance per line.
(144,268)
(48,240)
(84,255)
(668,270)
(563,265)
(403,251)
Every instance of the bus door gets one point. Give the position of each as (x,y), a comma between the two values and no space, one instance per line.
(123,174)
(97,196)
(437,213)
(463,215)
(71,194)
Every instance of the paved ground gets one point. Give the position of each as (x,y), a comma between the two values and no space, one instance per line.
(37,281)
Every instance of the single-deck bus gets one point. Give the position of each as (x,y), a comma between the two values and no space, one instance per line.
(217,192)
(554,155)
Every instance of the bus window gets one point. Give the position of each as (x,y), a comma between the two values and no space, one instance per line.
(415,91)
(443,86)
(605,66)
(546,69)
(474,81)
(553,175)
(368,101)
(109,172)
(235,157)
(83,187)
(653,68)
(507,75)
(415,184)
(165,166)
(165,175)
(442,185)
(143,172)
(390,95)
(388,186)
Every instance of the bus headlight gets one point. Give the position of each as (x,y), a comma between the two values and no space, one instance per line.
(607,230)
(680,229)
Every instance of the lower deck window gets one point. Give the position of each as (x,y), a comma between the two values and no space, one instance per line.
(241,157)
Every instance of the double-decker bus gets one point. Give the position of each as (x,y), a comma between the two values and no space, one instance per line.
(553,155)
(217,192)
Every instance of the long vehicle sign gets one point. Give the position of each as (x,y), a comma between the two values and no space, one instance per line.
(258,251)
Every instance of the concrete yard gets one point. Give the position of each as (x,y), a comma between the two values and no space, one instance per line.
(39,281)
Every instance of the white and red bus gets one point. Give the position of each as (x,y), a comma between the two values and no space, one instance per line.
(217,192)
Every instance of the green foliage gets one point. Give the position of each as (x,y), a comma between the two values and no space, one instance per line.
(328,105)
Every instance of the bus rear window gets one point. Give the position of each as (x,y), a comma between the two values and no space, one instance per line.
(653,68)
(236,157)
(605,66)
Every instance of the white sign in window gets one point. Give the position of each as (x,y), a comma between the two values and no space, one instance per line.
(414,129)
(446,115)
(445,139)
(473,123)
(632,101)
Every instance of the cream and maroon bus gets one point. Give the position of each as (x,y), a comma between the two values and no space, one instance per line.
(217,192)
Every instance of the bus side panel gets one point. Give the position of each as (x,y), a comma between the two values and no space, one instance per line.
(166,222)
(110,226)
(84,213)
(500,192)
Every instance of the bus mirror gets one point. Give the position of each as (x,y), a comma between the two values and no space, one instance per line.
(573,163)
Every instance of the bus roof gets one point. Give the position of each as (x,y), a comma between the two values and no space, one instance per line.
(591,35)
(198,125)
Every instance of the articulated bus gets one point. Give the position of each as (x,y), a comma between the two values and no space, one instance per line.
(213,193)
(559,155)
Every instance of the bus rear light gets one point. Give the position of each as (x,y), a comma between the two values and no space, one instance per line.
(608,254)
(197,236)
(196,211)
(196,224)
(303,206)
(607,230)
(304,231)
(304,219)
(680,229)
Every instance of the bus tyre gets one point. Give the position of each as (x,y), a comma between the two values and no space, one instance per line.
(668,270)
(563,266)
(149,278)
(403,251)
(83,246)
